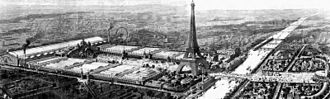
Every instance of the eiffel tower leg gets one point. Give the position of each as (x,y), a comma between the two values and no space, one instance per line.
(180,67)
(194,69)
(205,64)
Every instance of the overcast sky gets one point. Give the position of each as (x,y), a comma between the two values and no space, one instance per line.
(200,4)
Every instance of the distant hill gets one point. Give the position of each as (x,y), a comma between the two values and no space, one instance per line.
(36,16)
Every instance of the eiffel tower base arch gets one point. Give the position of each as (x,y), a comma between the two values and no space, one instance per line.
(196,65)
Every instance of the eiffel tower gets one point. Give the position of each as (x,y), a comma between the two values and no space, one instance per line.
(192,56)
